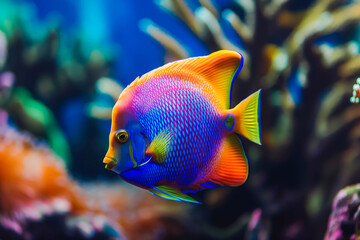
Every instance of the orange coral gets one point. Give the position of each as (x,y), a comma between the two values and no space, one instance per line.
(29,172)
(32,178)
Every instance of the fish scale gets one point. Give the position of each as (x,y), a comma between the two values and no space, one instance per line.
(196,122)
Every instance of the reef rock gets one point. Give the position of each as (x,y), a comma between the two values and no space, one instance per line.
(344,221)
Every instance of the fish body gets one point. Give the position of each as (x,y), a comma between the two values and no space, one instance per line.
(173,132)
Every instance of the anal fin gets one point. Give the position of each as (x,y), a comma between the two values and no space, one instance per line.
(231,167)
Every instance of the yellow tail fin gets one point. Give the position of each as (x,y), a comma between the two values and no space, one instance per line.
(247,117)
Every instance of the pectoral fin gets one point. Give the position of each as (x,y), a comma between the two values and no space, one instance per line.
(160,146)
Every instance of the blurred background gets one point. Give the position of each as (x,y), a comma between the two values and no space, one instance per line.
(64,63)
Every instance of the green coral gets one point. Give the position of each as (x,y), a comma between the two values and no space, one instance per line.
(32,114)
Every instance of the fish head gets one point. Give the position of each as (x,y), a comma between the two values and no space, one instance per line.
(127,141)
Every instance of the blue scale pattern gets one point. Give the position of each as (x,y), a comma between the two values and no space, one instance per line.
(180,107)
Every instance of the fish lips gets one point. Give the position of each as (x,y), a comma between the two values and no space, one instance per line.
(110,163)
(138,158)
(124,166)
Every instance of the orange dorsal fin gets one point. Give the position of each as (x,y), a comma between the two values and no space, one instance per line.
(218,69)
(231,167)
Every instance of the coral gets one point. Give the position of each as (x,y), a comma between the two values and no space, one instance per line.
(33,184)
(344,221)
(38,119)
(30,172)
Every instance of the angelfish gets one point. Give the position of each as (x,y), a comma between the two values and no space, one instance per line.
(173,132)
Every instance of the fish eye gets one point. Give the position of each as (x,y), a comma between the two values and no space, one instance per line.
(122,136)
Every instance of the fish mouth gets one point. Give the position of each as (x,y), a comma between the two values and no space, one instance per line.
(110,163)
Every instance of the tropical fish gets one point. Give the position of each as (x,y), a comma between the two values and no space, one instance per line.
(173,131)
